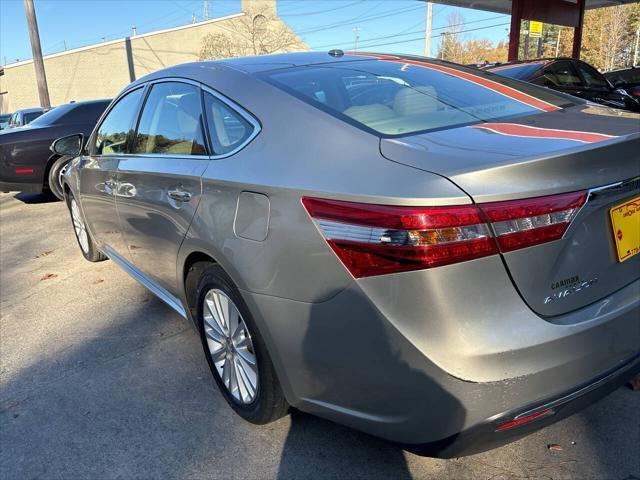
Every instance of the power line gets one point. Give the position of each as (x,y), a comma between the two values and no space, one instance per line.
(360,18)
(322,11)
(417,31)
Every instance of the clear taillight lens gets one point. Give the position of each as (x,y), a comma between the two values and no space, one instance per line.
(377,239)
(523,223)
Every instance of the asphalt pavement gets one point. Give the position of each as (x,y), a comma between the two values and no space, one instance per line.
(99,379)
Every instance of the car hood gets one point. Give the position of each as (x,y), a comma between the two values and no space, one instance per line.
(545,153)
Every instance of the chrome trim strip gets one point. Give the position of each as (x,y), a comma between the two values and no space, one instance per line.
(146,282)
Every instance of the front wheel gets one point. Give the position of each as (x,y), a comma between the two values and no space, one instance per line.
(56,173)
(235,350)
(86,243)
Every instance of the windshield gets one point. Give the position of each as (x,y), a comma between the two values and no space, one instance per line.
(394,96)
(518,71)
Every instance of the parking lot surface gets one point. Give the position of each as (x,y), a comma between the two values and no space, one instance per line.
(99,379)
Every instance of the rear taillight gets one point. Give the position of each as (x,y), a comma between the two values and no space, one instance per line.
(377,239)
(523,223)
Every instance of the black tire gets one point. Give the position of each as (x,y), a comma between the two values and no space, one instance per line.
(53,179)
(269,404)
(89,250)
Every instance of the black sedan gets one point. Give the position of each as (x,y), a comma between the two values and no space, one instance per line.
(571,76)
(27,164)
(627,78)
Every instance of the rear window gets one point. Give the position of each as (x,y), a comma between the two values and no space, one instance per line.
(398,97)
(519,71)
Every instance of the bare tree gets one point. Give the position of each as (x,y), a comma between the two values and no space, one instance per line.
(254,33)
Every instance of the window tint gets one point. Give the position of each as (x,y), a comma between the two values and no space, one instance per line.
(565,74)
(112,134)
(591,76)
(30,117)
(520,71)
(227,128)
(171,121)
(397,98)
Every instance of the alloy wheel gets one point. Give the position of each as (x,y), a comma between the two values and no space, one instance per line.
(230,346)
(79,226)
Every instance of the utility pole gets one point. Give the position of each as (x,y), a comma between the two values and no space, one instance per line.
(427,31)
(558,41)
(443,40)
(65,45)
(635,51)
(356,32)
(38,63)
(134,31)
(206,9)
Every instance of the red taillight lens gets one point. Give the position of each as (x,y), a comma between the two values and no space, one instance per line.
(523,223)
(378,239)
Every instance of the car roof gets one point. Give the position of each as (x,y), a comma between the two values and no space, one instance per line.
(30,110)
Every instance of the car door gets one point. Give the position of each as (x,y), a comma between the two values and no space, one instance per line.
(159,183)
(98,173)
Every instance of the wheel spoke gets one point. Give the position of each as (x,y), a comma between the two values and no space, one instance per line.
(218,353)
(215,314)
(213,334)
(244,387)
(249,372)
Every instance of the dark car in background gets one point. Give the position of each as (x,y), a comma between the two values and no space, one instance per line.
(571,76)
(627,78)
(24,116)
(27,164)
(4,120)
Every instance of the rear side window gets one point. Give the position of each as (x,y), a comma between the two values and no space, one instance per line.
(30,117)
(111,137)
(227,128)
(565,74)
(399,97)
(171,121)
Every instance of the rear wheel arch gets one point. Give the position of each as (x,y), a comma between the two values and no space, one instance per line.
(50,161)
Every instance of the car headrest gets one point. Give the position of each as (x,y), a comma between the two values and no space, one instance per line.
(415,101)
(369,114)
(187,123)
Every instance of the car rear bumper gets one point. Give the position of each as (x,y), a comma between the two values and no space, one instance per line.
(430,358)
(488,434)
(20,187)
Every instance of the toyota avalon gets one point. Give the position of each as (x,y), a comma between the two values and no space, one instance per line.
(433,254)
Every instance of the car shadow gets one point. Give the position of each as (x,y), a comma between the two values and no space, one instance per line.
(31,198)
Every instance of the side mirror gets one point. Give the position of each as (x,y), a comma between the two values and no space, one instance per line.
(70,145)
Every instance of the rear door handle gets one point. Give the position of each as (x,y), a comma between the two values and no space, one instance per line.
(179,195)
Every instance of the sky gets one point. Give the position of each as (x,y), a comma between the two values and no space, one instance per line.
(383,25)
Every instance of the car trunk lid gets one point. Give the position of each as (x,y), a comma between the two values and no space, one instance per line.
(586,148)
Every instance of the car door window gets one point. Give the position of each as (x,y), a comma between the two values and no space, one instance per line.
(592,77)
(112,134)
(565,74)
(227,128)
(171,121)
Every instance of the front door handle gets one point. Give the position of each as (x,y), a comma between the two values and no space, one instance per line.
(179,195)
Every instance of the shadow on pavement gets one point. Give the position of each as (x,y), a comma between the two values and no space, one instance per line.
(35,198)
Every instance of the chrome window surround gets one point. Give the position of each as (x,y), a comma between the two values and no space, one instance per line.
(248,117)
